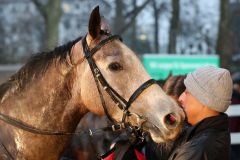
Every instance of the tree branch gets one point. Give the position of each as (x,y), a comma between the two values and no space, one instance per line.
(106,3)
(136,10)
(162,7)
(39,6)
(132,15)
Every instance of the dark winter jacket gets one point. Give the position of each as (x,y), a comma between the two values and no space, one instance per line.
(162,151)
(234,122)
(207,140)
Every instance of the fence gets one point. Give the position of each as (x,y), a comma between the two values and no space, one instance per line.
(234,111)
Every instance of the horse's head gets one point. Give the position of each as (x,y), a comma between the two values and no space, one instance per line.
(123,71)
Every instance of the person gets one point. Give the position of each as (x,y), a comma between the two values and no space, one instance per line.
(206,98)
(173,87)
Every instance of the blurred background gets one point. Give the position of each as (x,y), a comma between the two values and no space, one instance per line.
(157,30)
(182,27)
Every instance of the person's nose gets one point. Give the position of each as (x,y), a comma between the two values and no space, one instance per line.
(181,98)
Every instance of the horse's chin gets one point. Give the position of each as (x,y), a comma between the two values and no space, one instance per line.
(157,139)
(162,135)
(161,138)
(154,132)
(156,135)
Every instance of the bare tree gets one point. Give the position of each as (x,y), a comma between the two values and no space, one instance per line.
(51,12)
(119,16)
(223,46)
(123,21)
(2,52)
(156,11)
(174,27)
(158,8)
(133,34)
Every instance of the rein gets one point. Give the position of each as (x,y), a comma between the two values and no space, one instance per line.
(26,127)
(21,125)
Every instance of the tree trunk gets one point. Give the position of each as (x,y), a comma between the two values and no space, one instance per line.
(156,27)
(133,34)
(119,17)
(126,20)
(223,46)
(51,13)
(174,27)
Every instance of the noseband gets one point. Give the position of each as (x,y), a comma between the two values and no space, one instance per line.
(123,104)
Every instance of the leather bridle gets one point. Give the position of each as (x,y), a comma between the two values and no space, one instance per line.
(123,104)
(99,80)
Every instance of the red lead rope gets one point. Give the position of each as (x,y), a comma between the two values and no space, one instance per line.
(138,154)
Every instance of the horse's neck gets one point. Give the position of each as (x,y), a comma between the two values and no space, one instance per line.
(46,103)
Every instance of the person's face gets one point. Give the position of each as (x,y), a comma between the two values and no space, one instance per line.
(191,106)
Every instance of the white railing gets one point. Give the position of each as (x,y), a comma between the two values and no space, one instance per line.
(10,67)
(234,111)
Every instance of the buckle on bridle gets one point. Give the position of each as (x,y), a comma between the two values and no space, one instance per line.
(97,72)
(140,119)
(117,127)
(136,134)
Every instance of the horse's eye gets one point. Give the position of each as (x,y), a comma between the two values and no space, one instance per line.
(115,66)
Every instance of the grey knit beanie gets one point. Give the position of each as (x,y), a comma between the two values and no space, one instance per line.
(211,86)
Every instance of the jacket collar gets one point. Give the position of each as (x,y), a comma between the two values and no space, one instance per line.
(217,123)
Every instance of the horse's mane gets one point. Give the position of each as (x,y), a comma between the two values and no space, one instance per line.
(36,66)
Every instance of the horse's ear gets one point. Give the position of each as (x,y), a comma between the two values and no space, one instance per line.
(169,75)
(94,25)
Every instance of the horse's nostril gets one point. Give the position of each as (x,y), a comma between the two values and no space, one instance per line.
(170,120)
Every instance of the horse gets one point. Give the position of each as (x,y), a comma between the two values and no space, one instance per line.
(41,105)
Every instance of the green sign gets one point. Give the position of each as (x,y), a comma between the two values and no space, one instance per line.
(160,66)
